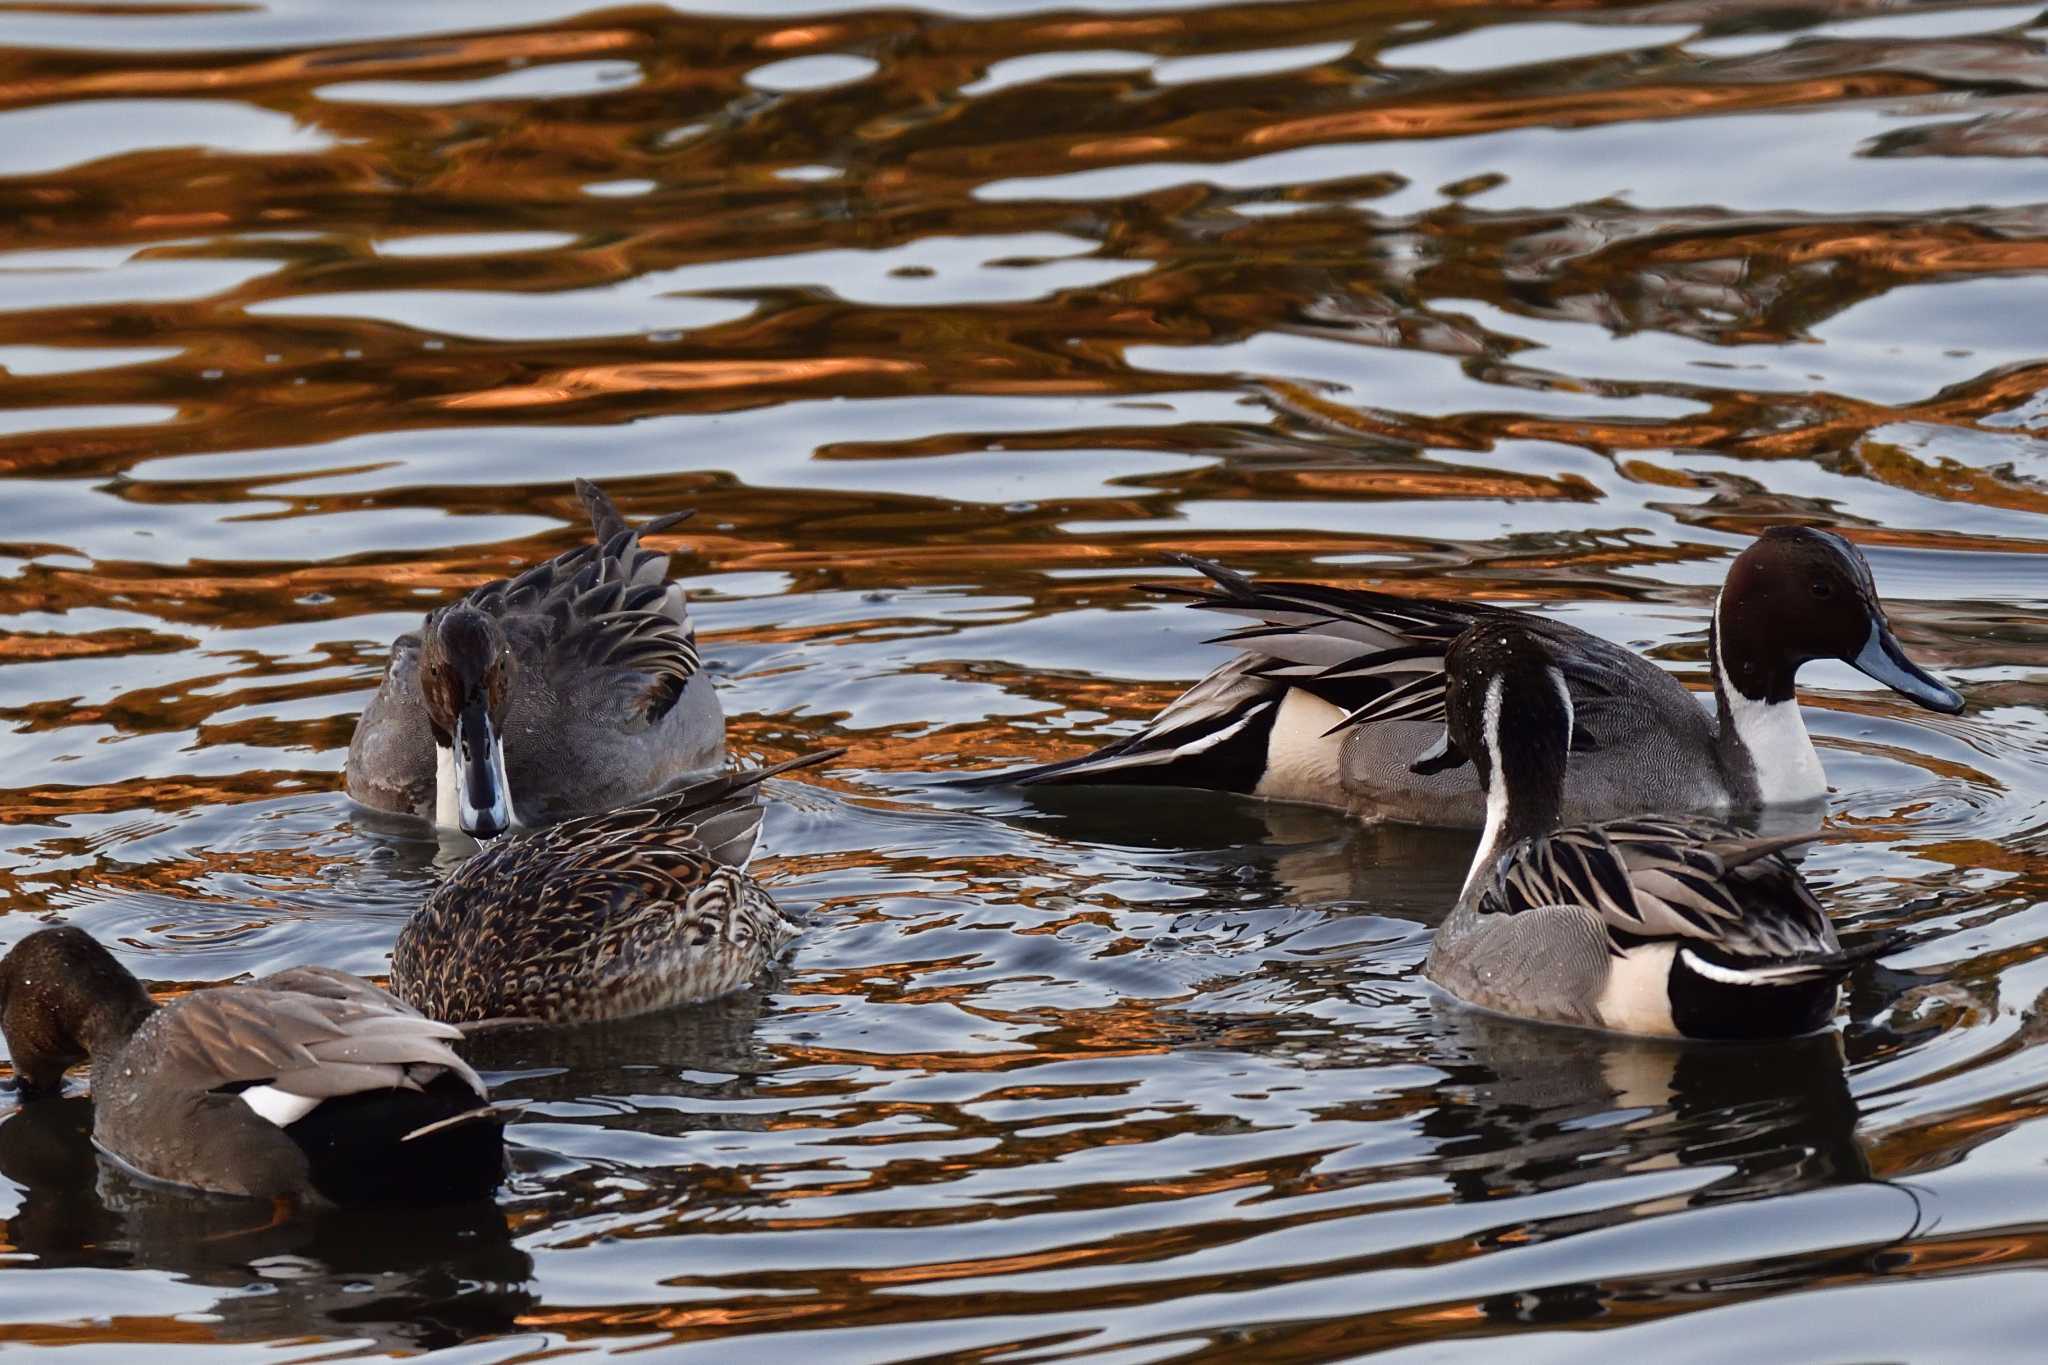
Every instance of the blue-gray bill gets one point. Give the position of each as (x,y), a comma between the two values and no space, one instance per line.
(1884,659)
(484,803)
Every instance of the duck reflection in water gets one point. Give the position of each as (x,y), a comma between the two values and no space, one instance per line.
(1252,851)
(389,1277)
(1529,1112)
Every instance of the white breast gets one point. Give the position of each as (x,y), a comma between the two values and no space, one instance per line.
(447,788)
(1637,998)
(1301,759)
(1788,771)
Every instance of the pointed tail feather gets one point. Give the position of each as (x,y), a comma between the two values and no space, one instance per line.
(1104,765)
(502,1112)
(656,525)
(1231,581)
(722,787)
(1221,752)
(606,522)
(1741,851)
(1800,970)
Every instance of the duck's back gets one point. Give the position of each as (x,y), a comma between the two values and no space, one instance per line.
(196,1136)
(1640,741)
(379,1107)
(574,939)
(600,917)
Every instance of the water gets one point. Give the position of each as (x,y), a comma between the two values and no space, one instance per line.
(951,321)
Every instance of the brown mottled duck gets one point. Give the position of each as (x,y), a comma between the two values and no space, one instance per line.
(604,916)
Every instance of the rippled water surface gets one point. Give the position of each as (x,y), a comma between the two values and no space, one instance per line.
(951,320)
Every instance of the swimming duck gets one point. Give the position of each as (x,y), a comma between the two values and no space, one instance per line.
(309,1087)
(1652,924)
(603,916)
(1336,691)
(572,687)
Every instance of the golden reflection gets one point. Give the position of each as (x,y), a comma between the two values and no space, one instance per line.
(574,386)
(985,366)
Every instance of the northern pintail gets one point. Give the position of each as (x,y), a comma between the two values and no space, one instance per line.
(570,688)
(307,1087)
(603,916)
(1652,924)
(1336,691)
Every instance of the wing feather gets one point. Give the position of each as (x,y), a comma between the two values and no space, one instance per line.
(340,1037)
(606,606)
(1664,878)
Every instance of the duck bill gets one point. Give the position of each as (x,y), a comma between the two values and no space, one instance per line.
(1882,658)
(483,800)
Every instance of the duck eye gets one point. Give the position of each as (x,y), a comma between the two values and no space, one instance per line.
(1823,588)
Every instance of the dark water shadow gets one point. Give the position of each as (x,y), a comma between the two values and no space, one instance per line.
(404,1278)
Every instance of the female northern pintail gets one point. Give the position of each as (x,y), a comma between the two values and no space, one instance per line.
(601,917)
(573,687)
(1337,691)
(308,1087)
(1653,924)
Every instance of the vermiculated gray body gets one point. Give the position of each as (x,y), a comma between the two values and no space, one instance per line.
(1335,692)
(1642,741)
(1551,963)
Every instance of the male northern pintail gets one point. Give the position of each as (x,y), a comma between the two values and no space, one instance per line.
(1652,924)
(308,1087)
(603,916)
(1336,691)
(570,688)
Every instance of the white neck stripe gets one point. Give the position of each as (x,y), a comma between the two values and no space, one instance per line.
(1788,771)
(1496,789)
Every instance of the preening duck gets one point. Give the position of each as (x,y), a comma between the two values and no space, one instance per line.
(603,916)
(573,687)
(1335,692)
(308,1087)
(1650,924)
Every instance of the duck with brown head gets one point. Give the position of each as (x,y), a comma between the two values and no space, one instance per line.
(1336,691)
(572,688)
(307,1087)
(465,678)
(1797,595)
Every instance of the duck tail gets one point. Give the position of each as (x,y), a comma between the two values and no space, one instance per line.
(437,1144)
(1741,850)
(1220,744)
(725,808)
(605,520)
(1717,995)
(606,523)
(500,1113)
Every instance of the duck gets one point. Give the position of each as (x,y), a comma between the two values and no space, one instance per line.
(573,687)
(1334,692)
(1663,925)
(603,916)
(308,1088)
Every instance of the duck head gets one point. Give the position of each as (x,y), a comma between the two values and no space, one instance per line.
(1508,713)
(1799,594)
(63,997)
(465,676)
